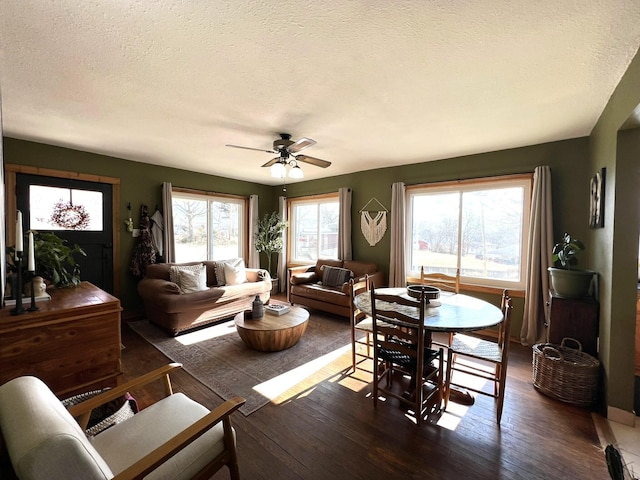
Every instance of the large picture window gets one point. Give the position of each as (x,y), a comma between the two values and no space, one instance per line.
(313,228)
(479,227)
(208,227)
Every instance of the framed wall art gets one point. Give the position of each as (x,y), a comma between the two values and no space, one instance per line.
(596,205)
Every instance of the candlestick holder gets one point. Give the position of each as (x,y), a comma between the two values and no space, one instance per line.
(33,307)
(18,309)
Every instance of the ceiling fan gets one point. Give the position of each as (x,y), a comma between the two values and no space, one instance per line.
(286,149)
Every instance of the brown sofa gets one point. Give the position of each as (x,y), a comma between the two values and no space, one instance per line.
(175,312)
(305,285)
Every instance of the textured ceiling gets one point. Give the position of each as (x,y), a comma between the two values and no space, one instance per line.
(375,83)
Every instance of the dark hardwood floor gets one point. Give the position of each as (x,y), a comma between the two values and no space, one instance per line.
(327,428)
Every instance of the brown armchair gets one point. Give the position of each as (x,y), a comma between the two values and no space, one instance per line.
(310,285)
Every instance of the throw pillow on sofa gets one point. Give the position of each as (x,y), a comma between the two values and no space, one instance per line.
(190,278)
(335,276)
(219,268)
(234,275)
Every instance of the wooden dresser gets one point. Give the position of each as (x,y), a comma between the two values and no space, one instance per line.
(72,343)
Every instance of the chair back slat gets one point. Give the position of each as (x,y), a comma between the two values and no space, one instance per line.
(443,281)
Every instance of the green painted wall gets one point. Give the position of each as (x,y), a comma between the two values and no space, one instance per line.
(139,184)
(614,251)
(568,161)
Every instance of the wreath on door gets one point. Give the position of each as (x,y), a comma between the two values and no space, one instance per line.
(70,216)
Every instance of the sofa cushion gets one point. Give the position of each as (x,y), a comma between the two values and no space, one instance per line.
(126,442)
(190,278)
(219,268)
(321,293)
(335,276)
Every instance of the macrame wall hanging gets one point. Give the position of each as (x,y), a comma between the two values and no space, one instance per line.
(373,223)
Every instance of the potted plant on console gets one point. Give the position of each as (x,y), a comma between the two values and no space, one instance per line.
(54,260)
(268,240)
(567,280)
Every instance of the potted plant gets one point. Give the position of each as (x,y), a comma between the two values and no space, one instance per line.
(567,280)
(268,239)
(55,261)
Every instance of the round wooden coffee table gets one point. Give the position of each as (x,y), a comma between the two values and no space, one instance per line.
(272,333)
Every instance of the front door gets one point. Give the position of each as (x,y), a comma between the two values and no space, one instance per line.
(77,211)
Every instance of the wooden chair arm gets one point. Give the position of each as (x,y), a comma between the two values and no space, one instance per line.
(165,451)
(82,411)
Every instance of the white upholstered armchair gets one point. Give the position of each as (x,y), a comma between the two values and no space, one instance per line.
(172,438)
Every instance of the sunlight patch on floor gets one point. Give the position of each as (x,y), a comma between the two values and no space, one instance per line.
(214,331)
(452,416)
(277,386)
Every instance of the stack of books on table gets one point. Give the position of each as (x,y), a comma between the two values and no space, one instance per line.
(276,309)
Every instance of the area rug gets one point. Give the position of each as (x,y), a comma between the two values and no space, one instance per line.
(218,358)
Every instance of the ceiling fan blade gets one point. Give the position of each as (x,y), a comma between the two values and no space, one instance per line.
(304,142)
(272,161)
(313,161)
(249,148)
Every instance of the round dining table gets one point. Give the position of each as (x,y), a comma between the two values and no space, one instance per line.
(451,312)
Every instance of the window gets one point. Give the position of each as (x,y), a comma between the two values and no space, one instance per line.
(58,208)
(208,227)
(479,227)
(313,228)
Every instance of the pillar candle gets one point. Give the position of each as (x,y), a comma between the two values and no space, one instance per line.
(31,264)
(19,246)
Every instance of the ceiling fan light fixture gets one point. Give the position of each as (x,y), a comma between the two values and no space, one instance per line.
(296,172)
(278,170)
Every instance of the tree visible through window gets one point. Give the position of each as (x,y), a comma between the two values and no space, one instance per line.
(477,227)
(313,228)
(208,227)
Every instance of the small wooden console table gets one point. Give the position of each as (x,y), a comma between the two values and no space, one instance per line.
(72,343)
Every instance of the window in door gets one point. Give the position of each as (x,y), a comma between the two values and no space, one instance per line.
(56,208)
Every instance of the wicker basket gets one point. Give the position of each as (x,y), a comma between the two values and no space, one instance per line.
(106,415)
(564,373)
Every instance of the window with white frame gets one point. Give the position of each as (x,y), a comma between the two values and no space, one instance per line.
(208,227)
(478,226)
(313,228)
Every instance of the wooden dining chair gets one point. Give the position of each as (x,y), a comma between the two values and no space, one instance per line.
(468,354)
(446,283)
(443,281)
(401,348)
(361,323)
